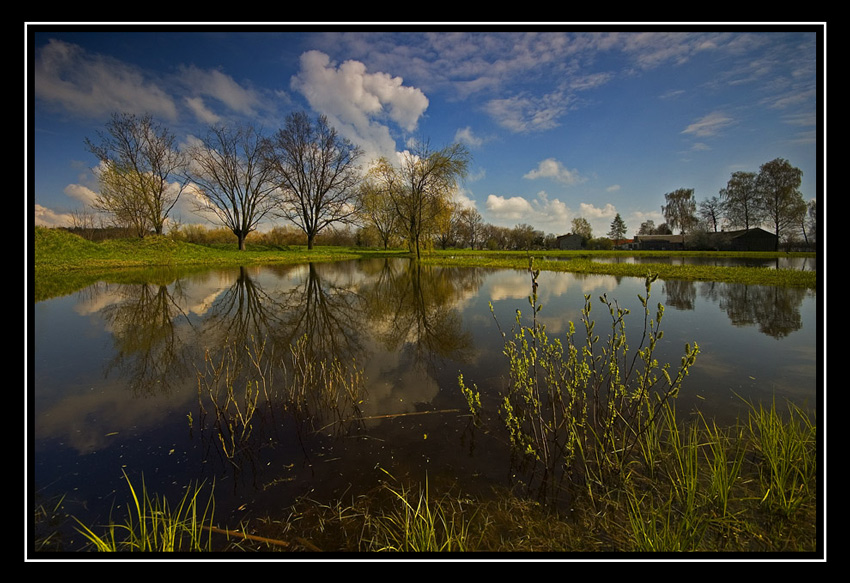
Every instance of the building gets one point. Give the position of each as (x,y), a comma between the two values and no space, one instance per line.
(659,242)
(740,240)
(569,241)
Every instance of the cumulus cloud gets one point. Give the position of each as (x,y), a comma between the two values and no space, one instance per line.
(45,217)
(550,215)
(69,78)
(466,136)
(359,103)
(551,168)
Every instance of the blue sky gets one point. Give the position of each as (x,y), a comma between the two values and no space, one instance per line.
(561,121)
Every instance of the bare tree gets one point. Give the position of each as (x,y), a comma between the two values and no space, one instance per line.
(229,168)
(138,158)
(740,200)
(316,172)
(711,211)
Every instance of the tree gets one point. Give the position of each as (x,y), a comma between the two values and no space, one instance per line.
(680,210)
(711,211)
(138,158)
(471,226)
(740,200)
(419,185)
(647,228)
(618,229)
(581,226)
(782,203)
(377,211)
(229,168)
(316,172)
(122,196)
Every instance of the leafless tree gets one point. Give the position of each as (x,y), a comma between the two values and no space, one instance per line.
(234,181)
(138,160)
(316,173)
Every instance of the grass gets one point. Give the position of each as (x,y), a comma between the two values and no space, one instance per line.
(64,262)
(152,525)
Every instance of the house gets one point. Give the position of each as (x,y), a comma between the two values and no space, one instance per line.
(569,241)
(743,240)
(660,242)
(740,240)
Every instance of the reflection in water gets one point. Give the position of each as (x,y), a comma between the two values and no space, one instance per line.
(219,375)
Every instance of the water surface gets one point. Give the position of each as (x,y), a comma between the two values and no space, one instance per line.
(123,374)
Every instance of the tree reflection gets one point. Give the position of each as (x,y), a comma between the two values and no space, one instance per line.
(412,308)
(775,310)
(148,352)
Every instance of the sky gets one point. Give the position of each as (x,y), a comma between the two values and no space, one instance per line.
(562,121)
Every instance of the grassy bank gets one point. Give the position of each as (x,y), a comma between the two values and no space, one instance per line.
(60,258)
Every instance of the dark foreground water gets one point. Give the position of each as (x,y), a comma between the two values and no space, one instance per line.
(130,378)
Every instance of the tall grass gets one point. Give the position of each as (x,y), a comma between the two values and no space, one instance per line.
(583,408)
(786,449)
(417,522)
(153,525)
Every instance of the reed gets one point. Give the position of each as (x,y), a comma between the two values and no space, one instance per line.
(786,449)
(153,525)
(418,523)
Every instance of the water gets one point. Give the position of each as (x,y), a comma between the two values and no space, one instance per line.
(119,380)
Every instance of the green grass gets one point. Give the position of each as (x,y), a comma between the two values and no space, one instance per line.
(583,262)
(64,262)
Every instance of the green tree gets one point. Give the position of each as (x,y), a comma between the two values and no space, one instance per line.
(581,226)
(780,199)
(419,186)
(316,172)
(680,210)
(233,178)
(618,229)
(377,211)
(138,161)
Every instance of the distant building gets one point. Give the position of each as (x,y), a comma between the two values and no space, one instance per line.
(660,242)
(743,240)
(570,241)
(740,240)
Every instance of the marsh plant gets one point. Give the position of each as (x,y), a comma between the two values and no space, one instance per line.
(242,380)
(580,408)
(152,524)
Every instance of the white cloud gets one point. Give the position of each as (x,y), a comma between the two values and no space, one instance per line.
(551,168)
(541,213)
(358,103)
(465,135)
(709,125)
(45,217)
(526,114)
(216,85)
(513,208)
(81,193)
(69,78)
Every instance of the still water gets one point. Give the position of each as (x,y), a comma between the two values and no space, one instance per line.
(129,378)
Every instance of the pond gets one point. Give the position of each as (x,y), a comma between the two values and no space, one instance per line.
(131,378)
